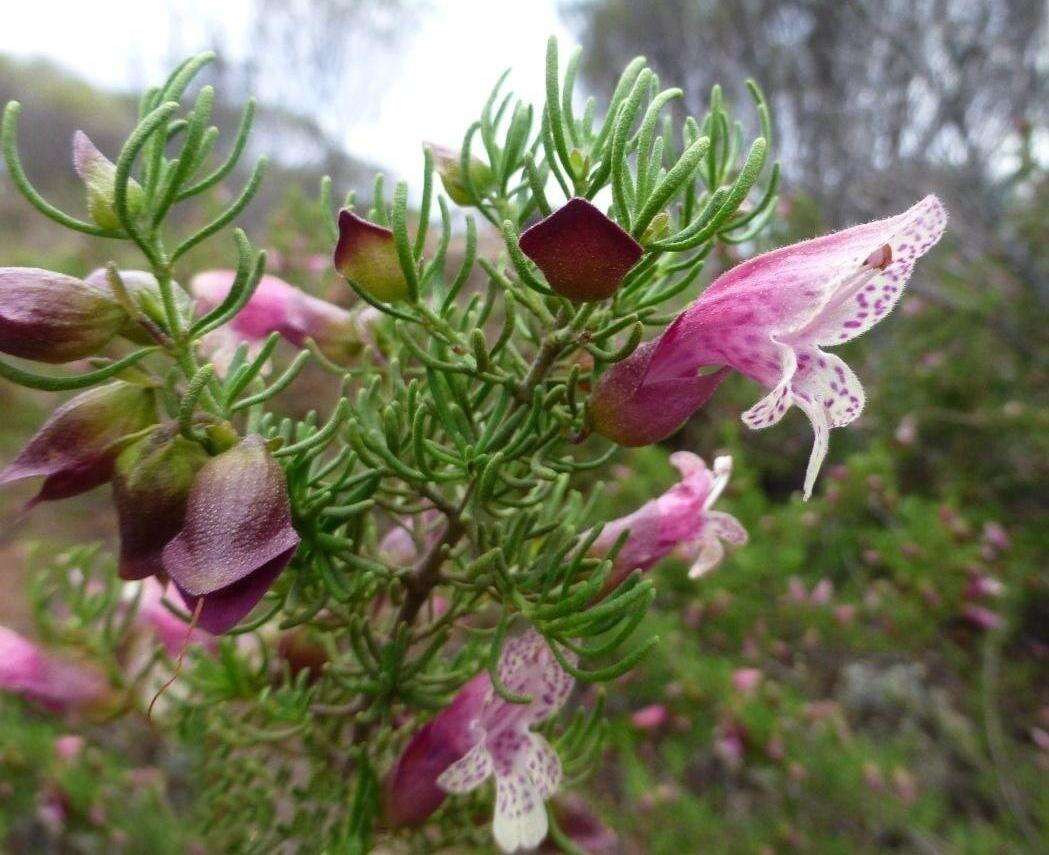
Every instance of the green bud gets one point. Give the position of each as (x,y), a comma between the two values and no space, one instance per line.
(99,176)
(449,167)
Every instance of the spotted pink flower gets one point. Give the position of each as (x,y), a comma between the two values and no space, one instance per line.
(39,676)
(525,766)
(768,319)
(680,521)
(410,791)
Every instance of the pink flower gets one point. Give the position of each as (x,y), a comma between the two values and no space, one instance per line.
(69,747)
(768,319)
(410,791)
(822,592)
(58,685)
(995,535)
(746,680)
(680,521)
(525,767)
(982,618)
(173,633)
(583,827)
(651,717)
(274,307)
(982,586)
(398,546)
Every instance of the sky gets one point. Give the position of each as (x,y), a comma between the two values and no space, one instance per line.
(432,92)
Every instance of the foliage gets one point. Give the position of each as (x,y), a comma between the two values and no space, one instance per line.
(468,403)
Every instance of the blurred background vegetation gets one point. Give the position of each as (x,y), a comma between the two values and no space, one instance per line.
(852,680)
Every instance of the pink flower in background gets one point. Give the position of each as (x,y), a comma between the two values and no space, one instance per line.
(275,307)
(398,546)
(822,592)
(996,537)
(982,586)
(169,630)
(69,747)
(746,680)
(768,319)
(982,618)
(58,685)
(526,769)
(651,717)
(583,827)
(680,521)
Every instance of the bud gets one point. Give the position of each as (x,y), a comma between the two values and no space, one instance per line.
(99,176)
(58,685)
(449,167)
(302,653)
(582,253)
(236,536)
(367,255)
(76,447)
(151,483)
(54,318)
(410,791)
(144,292)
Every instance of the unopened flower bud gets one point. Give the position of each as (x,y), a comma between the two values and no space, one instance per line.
(151,483)
(76,447)
(449,166)
(366,254)
(582,253)
(236,536)
(99,176)
(54,318)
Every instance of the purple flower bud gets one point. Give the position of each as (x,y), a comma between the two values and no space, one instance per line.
(54,318)
(99,176)
(151,483)
(58,685)
(367,255)
(237,535)
(583,254)
(449,166)
(410,791)
(76,447)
